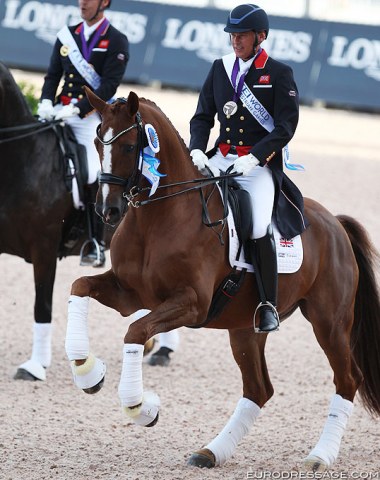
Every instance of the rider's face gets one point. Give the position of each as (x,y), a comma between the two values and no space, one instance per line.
(88,9)
(243,43)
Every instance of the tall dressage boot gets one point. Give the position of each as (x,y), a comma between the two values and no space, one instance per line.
(264,251)
(93,250)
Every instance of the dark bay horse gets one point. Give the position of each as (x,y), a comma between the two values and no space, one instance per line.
(166,260)
(35,206)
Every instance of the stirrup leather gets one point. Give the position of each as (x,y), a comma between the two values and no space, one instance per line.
(273,308)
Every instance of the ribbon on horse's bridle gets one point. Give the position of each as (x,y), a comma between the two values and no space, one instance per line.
(131,185)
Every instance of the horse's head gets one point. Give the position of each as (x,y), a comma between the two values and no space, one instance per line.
(119,142)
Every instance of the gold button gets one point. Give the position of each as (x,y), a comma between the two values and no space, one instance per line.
(80,96)
(228,116)
(228,141)
(241,130)
(242,118)
(228,129)
(69,94)
(70,85)
(71,75)
(240,143)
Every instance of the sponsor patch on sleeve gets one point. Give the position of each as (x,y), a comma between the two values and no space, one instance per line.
(292,93)
(121,57)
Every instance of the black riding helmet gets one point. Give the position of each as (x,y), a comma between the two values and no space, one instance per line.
(246,18)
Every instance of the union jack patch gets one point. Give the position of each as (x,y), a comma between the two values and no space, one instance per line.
(286,243)
(264,79)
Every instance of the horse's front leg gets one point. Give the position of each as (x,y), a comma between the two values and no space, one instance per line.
(181,309)
(88,370)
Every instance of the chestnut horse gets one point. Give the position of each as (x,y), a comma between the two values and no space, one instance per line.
(166,260)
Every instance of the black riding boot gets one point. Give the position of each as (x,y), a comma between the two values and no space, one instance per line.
(264,249)
(93,250)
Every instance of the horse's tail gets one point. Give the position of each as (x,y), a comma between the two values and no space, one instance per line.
(365,336)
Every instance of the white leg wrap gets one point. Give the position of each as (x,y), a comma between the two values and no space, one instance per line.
(41,351)
(90,373)
(327,448)
(169,340)
(77,342)
(243,418)
(147,411)
(131,382)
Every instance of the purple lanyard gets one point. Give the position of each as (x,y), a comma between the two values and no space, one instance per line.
(87,49)
(235,71)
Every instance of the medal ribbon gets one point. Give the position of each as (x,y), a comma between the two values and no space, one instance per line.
(87,48)
(236,68)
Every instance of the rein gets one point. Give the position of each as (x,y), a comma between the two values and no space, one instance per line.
(36,128)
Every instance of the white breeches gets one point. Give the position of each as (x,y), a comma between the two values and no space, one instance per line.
(260,186)
(85,133)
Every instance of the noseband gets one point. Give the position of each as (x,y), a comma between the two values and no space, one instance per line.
(133,180)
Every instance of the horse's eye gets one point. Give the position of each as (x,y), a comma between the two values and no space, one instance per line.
(128,148)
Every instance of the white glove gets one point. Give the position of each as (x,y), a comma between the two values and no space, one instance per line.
(245,164)
(201,161)
(45,109)
(67,111)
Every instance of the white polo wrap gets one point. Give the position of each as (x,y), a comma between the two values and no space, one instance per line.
(241,421)
(77,343)
(131,382)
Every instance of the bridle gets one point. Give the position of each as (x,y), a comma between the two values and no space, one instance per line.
(34,128)
(131,187)
(133,181)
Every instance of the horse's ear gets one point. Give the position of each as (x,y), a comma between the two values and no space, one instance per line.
(95,101)
(133,104)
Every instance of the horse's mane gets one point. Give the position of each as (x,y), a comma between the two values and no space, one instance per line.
(12,97)
(152,104)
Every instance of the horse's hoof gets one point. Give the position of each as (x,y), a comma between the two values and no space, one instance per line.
(314,464)
(95,388)
(152,424)
(23,374)
(160,358)
(149,345)
(202,459)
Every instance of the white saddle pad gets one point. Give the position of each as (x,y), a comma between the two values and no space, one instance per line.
(289,252)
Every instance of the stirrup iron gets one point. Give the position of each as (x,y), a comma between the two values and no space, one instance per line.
(273,308)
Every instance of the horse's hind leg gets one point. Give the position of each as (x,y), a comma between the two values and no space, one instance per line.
(248,351)
(332,328)
(44,268)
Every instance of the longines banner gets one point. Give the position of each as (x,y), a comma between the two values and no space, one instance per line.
(333,62)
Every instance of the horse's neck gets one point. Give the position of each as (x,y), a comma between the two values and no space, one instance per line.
(14,110)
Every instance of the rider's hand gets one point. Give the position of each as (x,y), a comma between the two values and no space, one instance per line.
(45,109)
(245,164)
(201,161)
(67,111)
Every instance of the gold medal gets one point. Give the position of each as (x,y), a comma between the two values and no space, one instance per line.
(64,50)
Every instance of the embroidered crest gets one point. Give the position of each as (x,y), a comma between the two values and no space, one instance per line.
(152,137)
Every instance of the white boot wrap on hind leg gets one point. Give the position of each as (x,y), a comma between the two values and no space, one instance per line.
(327,448)
(77,343)
(241,421)
(131,382)
(41,351)
(90,373)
